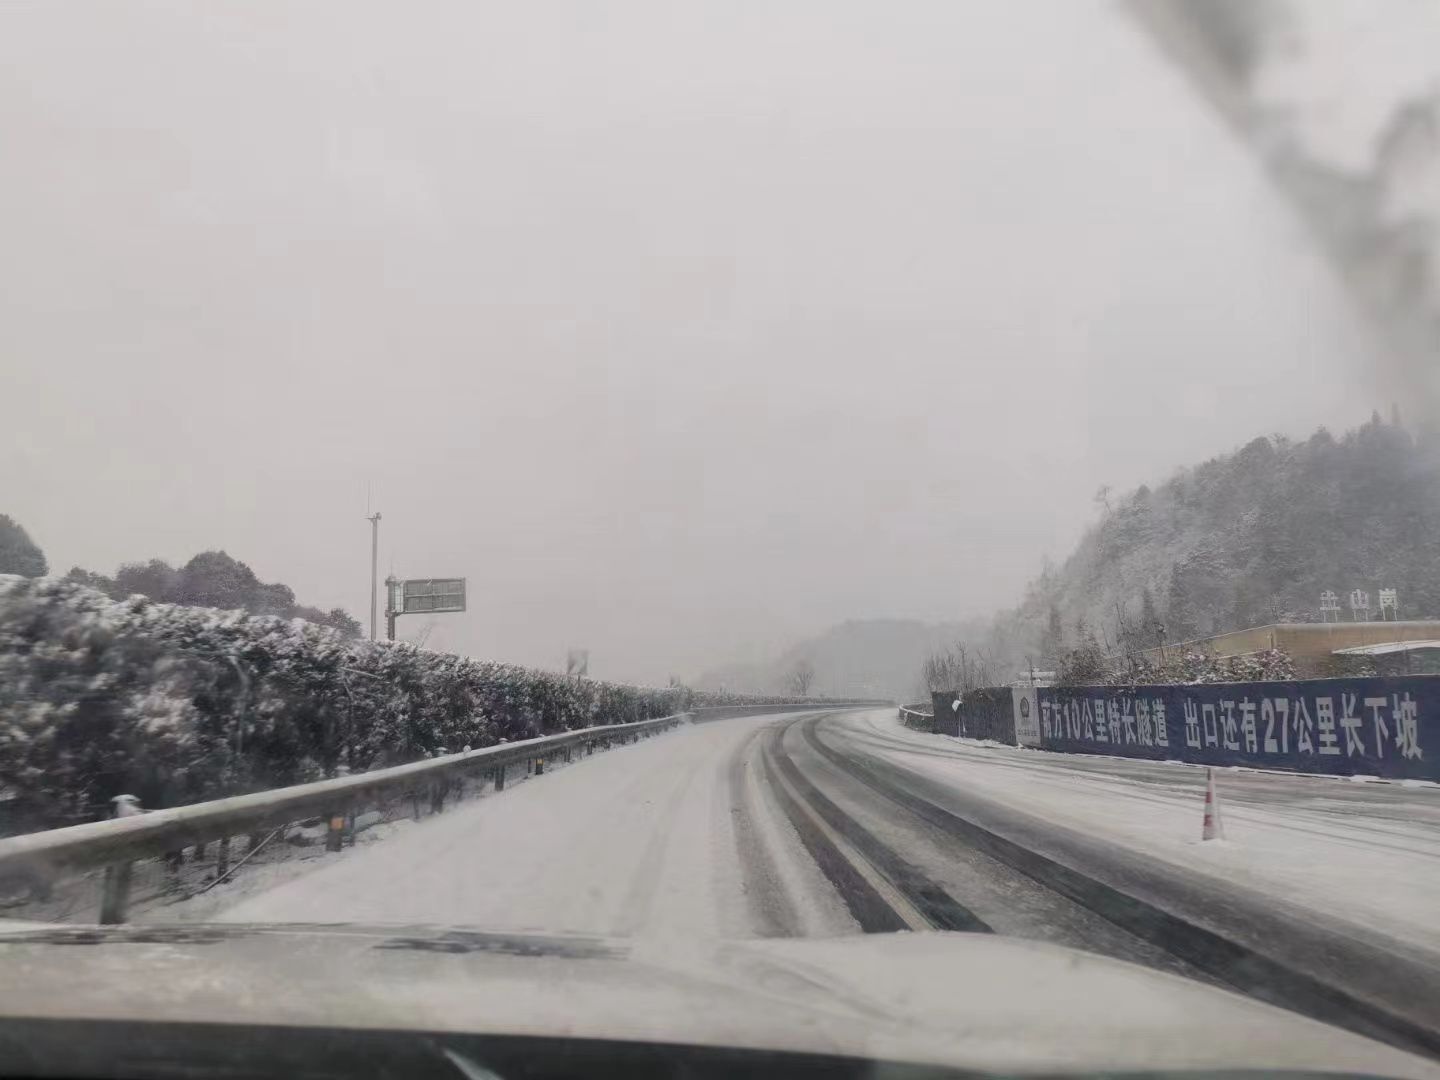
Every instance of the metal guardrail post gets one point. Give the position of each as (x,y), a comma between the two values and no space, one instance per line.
(115,894)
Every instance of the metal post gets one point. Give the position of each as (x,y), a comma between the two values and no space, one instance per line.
(115,898)
(374,566)
(222,858)
(500,778)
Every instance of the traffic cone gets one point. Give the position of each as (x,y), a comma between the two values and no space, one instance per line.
(1212,829)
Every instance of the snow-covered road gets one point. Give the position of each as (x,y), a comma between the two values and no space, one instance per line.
(813,825)
(670,836)
(1365,853)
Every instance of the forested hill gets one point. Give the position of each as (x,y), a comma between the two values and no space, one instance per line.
(1249,538)
(210,579)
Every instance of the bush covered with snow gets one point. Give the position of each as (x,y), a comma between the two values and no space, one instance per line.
(1091,667)
(176,704)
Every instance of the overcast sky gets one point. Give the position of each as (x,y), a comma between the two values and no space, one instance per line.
(680,329)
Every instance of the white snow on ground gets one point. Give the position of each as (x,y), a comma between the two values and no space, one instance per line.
(642,841)
(1367,854)
(255,877)
(636,841)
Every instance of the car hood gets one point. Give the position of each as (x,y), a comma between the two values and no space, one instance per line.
(969,1000)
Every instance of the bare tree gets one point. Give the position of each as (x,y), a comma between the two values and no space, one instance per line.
(956,668)
(939,672)
(801,676)
(985,672)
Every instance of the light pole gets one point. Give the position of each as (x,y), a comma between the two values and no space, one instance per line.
(374,520)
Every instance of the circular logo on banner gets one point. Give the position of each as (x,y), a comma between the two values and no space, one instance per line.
(1025,708)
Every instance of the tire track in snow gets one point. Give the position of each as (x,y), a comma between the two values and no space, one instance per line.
(876,913)
(871,910)
(1272,975)
(772,912)
(636,908)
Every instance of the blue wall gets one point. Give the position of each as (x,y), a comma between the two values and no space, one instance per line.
(983,714)
(1385,727)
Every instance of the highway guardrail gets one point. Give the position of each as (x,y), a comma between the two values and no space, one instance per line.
(913,716)
(725,712)
(114,844)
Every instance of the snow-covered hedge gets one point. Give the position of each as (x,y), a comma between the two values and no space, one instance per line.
(1180,667)
(176,704)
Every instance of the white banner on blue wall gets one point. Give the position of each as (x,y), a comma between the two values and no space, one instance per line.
(1027,716)
(1378,726)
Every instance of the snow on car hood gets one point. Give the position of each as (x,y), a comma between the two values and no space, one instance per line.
(967,1000)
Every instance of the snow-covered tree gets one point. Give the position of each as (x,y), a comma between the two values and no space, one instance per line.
(18,553)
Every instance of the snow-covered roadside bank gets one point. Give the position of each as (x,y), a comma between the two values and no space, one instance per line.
(189,893)
(262,874)
(1367,854)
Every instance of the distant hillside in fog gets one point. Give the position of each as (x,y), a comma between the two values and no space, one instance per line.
(1244,539)
(861,658)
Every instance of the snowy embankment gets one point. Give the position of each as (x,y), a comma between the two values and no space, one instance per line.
(1367,854)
